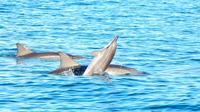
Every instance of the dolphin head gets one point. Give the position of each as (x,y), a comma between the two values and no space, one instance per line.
(108,53)
(112,45)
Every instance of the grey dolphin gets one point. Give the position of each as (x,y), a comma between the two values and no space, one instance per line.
(68,65)
(23,52)
(99,65)
(121,70)
(102,59)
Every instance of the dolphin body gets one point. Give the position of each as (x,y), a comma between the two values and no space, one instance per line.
(102,59)
(23,52)
(68,65)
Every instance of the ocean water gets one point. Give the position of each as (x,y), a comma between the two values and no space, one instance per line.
(159,37)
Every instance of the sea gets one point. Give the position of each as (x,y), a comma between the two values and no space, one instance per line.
(159,37)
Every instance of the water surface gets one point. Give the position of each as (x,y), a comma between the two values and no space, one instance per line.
(158,37)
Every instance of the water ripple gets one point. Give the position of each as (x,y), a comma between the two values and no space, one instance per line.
(157,37)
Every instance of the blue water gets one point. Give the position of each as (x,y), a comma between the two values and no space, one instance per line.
(161,37)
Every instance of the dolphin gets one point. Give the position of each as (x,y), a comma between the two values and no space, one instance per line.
(23,52)
(102,59)
(116,70)
(99,65)
(69,66)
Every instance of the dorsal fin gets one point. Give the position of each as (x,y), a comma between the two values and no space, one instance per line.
(22,50)
(66,61)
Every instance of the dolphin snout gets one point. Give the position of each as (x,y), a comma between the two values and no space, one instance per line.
(113,42)
(115,39)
